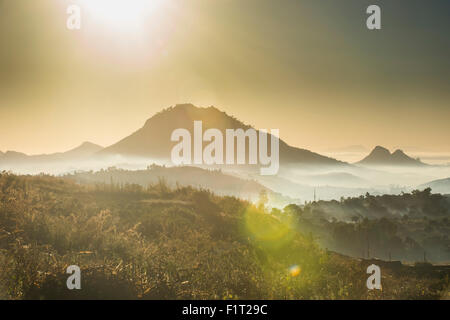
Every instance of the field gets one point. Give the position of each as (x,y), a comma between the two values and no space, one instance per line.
(134,242)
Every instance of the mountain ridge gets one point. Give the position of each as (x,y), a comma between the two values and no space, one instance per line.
(84,150)
(217,181)
(142,142)
(382,156)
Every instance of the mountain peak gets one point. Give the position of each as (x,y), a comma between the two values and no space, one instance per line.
(183,116)
(153,140)
(190,106)
(398,152)
(87,144)
(380,150)
(85,149)
(382,156)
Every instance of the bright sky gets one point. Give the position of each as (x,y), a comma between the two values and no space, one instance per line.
(310,68)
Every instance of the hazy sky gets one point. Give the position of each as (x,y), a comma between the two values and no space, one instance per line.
(310,68)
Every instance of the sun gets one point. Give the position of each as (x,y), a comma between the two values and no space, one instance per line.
(123,15)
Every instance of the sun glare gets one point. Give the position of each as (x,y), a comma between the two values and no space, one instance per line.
(125,15)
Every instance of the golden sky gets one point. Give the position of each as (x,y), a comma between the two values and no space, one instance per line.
(310,68)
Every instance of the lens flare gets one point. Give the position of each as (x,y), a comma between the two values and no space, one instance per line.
(294,270)
(264,227)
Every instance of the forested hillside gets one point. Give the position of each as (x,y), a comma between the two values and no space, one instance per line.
(409,227)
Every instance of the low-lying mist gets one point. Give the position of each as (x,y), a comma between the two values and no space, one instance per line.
(300,183)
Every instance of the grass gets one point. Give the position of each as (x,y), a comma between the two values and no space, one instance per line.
(160,243)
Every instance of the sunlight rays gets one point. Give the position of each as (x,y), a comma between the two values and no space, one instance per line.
(124,15)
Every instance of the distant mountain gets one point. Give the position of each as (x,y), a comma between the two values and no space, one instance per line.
(382,156)
(153,139)
(215,180)
(437,186)
(13,156)
(86,149)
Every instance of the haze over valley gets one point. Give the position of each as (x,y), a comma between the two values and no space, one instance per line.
(304,175)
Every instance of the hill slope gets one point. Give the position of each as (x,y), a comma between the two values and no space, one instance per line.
(438,186)
(216,181)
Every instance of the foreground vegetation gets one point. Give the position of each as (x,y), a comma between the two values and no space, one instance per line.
(133,242)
